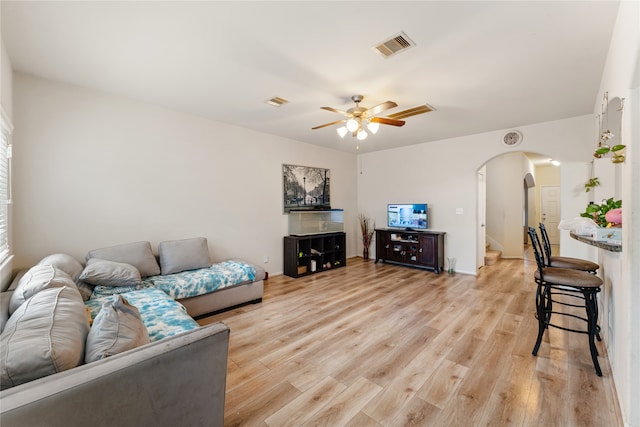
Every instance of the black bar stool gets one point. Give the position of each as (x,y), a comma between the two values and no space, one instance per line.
(562,286)
(561,261)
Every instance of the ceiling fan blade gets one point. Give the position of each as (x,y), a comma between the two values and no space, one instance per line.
(420,109)
(333,110)
(329,124)
(381,107)
(386,121)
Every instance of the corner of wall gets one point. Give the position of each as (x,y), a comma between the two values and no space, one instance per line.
(6,273)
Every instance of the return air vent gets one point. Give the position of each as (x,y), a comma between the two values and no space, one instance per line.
(276,101)
(396,44)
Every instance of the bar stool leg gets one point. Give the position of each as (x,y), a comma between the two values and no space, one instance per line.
(591,305)
(543,311)
(595,305)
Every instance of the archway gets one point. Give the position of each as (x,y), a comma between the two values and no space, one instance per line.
(512,199)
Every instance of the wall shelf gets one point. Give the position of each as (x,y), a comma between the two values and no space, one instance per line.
(608,246)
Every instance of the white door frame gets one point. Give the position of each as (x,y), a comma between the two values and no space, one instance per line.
(481,217)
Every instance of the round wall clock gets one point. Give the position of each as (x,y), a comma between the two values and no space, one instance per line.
(512,138)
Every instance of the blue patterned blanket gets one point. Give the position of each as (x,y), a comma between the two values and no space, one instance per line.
(190,283)
(162,316)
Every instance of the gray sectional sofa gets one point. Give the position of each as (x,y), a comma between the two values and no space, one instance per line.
(183,269)
(178,381)
(144,361)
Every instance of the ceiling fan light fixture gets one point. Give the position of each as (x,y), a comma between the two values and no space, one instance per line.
(373,127)
(352,125)
(361,121)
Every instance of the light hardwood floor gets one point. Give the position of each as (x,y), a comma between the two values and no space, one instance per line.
(384,345)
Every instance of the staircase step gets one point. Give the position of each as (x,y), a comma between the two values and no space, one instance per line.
(491,257)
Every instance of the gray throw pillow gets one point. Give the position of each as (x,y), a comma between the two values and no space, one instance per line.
(64,262)
(109,273)
(45,335)
(117,328)
(183,255)
(138,254)
(38,277)
(85,290)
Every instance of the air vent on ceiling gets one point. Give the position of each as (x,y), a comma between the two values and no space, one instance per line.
(396,44)
(276,101)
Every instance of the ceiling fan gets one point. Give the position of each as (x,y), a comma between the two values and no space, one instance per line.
(357,118)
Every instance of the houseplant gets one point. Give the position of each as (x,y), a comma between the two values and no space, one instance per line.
(591,183)
(367,227)
(597,212)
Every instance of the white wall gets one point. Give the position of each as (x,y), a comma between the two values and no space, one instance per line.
(6,82)
(621,272)
(443,174)
(93,170)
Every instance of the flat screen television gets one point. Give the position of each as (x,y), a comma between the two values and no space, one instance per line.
(408,216)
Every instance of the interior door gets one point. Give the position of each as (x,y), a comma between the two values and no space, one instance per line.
(550,212)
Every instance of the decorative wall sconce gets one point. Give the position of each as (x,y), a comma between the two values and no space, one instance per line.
(605,137)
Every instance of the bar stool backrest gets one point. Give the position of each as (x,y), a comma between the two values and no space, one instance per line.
(537,249)
(546,243)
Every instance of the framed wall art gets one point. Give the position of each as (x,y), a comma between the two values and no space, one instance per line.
(305,187)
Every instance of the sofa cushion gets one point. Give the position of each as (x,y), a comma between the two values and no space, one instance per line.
(45,335)
(201,281)
(85,289)
(138,254)
(38,277)
(64,262)
(110,273)
(183,255)
(162,316)
(118,327)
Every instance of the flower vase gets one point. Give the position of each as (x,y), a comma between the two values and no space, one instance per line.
(365,253)
(452,266)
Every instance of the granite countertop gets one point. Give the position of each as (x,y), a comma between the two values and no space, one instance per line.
(602,244)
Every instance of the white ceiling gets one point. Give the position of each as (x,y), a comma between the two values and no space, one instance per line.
(483,65)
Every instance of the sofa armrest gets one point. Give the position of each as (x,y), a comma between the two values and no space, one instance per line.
(177,381)
(5,298)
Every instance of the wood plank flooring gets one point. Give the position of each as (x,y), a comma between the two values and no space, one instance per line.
(384,345)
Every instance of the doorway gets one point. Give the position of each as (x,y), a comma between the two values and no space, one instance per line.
(513,201)
(550,211)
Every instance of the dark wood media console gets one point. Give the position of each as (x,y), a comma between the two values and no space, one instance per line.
(424,249)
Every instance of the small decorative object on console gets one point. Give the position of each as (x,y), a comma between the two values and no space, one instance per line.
(367,227)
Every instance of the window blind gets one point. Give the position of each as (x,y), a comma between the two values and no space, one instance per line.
(5,195)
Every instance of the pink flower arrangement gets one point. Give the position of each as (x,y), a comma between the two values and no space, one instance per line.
(614,217)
